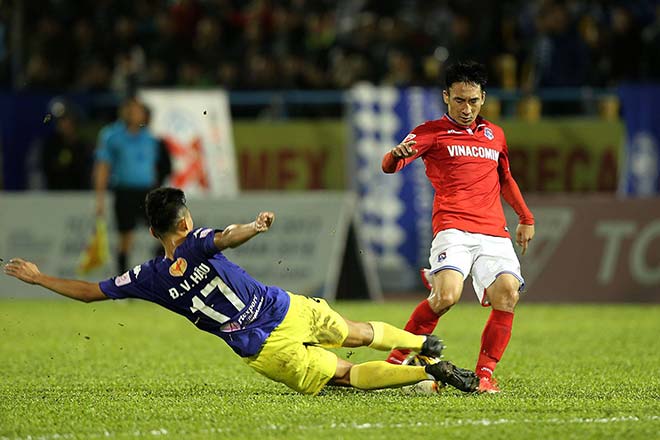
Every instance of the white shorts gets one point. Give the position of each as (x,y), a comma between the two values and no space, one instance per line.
(484,257)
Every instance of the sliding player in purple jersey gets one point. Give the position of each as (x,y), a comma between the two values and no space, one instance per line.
(279,334)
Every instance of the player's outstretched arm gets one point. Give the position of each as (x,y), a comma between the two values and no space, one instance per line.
(235,235)
(28,272)
(390,163)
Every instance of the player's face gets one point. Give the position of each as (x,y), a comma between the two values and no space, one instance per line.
(135,114)
(464,101)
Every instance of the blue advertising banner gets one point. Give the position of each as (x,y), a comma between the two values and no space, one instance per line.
(640,174)
(395,208)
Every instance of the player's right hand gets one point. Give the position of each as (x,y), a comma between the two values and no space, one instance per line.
(23,270)
(403,150)
(263,221)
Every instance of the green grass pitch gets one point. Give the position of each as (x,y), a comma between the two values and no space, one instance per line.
(133,370)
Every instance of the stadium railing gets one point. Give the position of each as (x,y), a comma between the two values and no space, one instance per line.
(283,104)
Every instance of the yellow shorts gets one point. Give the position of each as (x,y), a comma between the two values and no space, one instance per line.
(292,354)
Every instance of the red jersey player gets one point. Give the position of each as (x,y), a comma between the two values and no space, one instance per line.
(467,162)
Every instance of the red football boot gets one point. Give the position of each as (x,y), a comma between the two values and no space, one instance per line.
(488,385)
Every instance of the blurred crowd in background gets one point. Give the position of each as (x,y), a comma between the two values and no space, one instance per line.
(114,45)
(79,60)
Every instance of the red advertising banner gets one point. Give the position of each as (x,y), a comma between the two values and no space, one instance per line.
(594,248)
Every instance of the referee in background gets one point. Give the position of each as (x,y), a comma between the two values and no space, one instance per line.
(131,161)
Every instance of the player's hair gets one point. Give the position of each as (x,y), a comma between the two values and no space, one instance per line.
(164,208)
(470,72)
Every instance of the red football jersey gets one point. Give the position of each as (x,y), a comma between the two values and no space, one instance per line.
(468,168)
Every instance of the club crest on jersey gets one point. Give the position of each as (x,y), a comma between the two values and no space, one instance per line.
(442,256)
(410,137)
(178,268)
(489,133)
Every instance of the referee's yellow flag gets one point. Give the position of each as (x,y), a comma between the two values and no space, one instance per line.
(96,253)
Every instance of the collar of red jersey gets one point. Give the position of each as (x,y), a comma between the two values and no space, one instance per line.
(478,122)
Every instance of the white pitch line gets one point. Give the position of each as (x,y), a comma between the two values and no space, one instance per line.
(489,422)
(359,426)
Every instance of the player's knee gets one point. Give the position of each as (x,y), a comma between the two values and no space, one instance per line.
(505,293)
(511,289)
(443,298)
(359,334)
(511,297)
(446,291)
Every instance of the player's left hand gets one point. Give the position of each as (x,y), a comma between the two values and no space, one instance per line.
(263,221)
(524,234)
(23,270)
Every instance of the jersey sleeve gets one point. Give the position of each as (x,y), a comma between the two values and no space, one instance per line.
(203,241)
(122,286)
(425,138)
(511,191)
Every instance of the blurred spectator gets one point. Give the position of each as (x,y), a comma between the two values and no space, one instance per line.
(186,14)
(464,42)
(49,63)
(227,75)
(651,47)
(86,42)
(93,75)
(130,63)
(259,72)
(399,69)
(157,74)
(559,55)
(66,160)
(207,44)
(191,74)
(163,47)
(38,73)
(624,46)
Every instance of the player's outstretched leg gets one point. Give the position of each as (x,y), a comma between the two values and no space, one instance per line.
(376,375)
(423,320)
(380,374)
(382,336)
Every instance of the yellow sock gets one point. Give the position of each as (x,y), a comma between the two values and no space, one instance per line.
(388,337)
(380,374)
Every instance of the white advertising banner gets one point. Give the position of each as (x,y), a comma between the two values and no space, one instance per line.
(196,126)
(304,252)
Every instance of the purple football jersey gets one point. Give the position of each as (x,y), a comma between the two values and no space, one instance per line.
(215,294)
